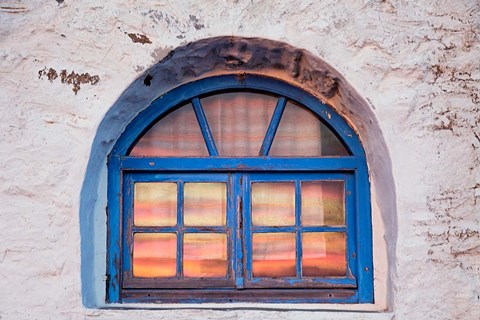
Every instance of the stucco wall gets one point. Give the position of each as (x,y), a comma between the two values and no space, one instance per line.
(416,63)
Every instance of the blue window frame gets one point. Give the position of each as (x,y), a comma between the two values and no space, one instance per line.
(245,275)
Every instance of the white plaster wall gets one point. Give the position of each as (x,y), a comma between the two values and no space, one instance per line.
(416,62)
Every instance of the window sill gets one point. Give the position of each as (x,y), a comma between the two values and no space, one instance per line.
(363,308)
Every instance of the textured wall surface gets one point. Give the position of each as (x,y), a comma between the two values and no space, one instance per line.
(63,64)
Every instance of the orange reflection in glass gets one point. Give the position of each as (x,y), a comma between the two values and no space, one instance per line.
(154,255)
(273,204)
(239,121)
(155,204)
(302,134)
(323,203)
(178,134)
(323,254)
(204,204)
(205,255)
(273,254)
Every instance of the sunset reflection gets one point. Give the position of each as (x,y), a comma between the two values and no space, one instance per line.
(239,121)
(155,204)
(178,134)
(273,254)
(302,134)
(205,255)
(273,204)
(154,255)
(323,203)
(205,204)
(323,254)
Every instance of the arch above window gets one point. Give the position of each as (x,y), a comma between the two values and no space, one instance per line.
(239,188)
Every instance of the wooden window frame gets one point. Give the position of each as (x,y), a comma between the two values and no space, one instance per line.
(124,170)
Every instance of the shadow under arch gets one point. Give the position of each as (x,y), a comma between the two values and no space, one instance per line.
(234,55)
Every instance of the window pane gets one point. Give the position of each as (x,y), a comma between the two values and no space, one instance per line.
(323,254)
(239,121)
(323,203)
(273,254)
(273,204)
(205,204)
(205,255)
(154,255)
(178,134)
(301,133)
(155,204)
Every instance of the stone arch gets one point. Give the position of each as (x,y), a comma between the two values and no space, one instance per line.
(240,56)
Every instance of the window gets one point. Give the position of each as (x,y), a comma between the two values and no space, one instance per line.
(239,188)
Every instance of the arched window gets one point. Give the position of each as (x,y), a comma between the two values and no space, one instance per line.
(239,188)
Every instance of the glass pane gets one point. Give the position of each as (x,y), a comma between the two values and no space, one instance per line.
(323,254)
(323,203)
(205,255)
(178,134)
(273,254)
(155,204)
(302,134)
(205,204)
(239,121)
(273,204)
(154,255)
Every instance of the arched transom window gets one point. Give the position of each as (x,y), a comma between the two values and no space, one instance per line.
(239,189)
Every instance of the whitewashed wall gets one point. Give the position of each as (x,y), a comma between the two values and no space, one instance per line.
(416,62)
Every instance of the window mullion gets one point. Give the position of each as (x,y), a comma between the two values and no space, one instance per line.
(237,232)
(298,227)
(272,127)
(202,121)
(180,230)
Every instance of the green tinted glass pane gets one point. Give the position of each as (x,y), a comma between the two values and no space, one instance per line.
(205,204)
(176,135)
(154,255)
(155,204)
(323,254)
(239,121)
(205,255)
(302,134)
(273,254)
(323,203)
(273,203)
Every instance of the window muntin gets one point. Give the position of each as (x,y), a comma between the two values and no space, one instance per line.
(347,279)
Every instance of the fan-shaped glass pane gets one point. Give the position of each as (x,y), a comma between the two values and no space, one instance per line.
(176,135)
(302,134)
(239,121)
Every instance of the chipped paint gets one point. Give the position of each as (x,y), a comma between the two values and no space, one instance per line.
(72,78)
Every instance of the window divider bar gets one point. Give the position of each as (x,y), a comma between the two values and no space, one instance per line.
(237,232)
(179,230)
(246,226)
(273,126)
(298,224)
(204,127)
(268,229)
